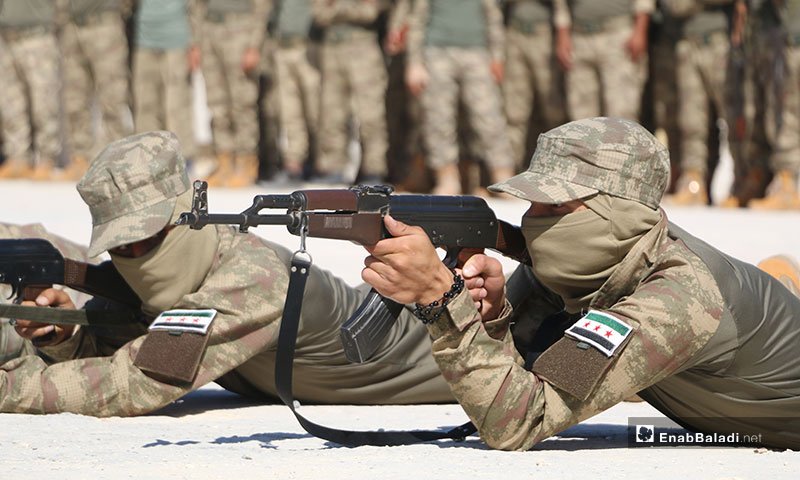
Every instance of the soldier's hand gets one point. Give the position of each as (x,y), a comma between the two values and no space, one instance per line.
(406,267)
(45,334)
(498,72)
(194,58)
(416,79)
(483,277)
(250,59)
(636,46)
(564,48)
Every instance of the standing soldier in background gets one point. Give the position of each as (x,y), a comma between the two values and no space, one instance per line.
(29,89)
(232,36)
(164,57)
(353,74)
(664,32)
(776,126)
(407,169)
(702,56)
(602,45)
(298,83)
(455,53)
(532,78)
(95,52)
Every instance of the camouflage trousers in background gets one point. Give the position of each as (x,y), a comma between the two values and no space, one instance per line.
(459,74)
(701,73)
(603,80)
(162,93)
(29,94)
(532,79)
(96,67)
(231,93)
(665,97)
(298,84)
(780,147)
(353,75)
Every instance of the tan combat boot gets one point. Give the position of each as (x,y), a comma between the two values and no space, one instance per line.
(43,170)
(246,173)
(14,168)
(447,180)
(785,269)
(781,194)
(223,172)
(75,170)
(690,190)
(750,187)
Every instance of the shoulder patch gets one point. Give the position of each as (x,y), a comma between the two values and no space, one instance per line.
(195,321)
(600,330)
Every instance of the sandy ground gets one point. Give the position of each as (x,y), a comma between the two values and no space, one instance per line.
(211,433)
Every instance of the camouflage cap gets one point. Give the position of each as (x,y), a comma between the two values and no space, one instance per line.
(578,159)
(131,189)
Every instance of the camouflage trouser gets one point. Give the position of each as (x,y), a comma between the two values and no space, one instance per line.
(231,93)
(29,81)
(665,96)
(402,120)
(162,94)
(353,74)
(95,65)
(603,79)
(462,74)
(701,88)
(532,78)
(780,147)
(298,93)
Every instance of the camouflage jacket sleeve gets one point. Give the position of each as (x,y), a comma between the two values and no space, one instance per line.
(495,30)
(561,14)
(246,287)
(398,17)
(258,23)
(417,22)
(514,409)
(644,6)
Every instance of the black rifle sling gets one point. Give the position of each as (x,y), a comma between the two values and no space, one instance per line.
(283,379)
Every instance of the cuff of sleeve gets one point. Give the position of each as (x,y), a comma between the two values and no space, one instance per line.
(644,6)
(65,350)
(498,327)
(459,315)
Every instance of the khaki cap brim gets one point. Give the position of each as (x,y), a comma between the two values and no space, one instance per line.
(536,187)
(131,227)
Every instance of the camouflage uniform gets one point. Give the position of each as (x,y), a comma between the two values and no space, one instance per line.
(298,80)
(693,331)
(246,284)
(353,75)
(775,40)
(702,59)
(532,77)
(11,344)
(603,80)
(162,90)
(95,51)
(30,121)
(231,28)
(456,42)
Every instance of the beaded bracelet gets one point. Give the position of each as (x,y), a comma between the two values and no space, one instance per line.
(431,312)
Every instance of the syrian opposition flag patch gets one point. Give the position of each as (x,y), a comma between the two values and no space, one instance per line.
(195,321)
(600,330)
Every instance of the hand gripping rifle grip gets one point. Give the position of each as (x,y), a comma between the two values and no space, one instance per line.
(364,331)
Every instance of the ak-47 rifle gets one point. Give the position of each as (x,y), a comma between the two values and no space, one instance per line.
(356,214)
(32,265)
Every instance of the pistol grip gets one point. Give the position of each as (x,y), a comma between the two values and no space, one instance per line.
(30,292)
(364,331)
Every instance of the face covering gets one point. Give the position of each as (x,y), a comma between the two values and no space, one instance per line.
(174,268)
(573,255)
